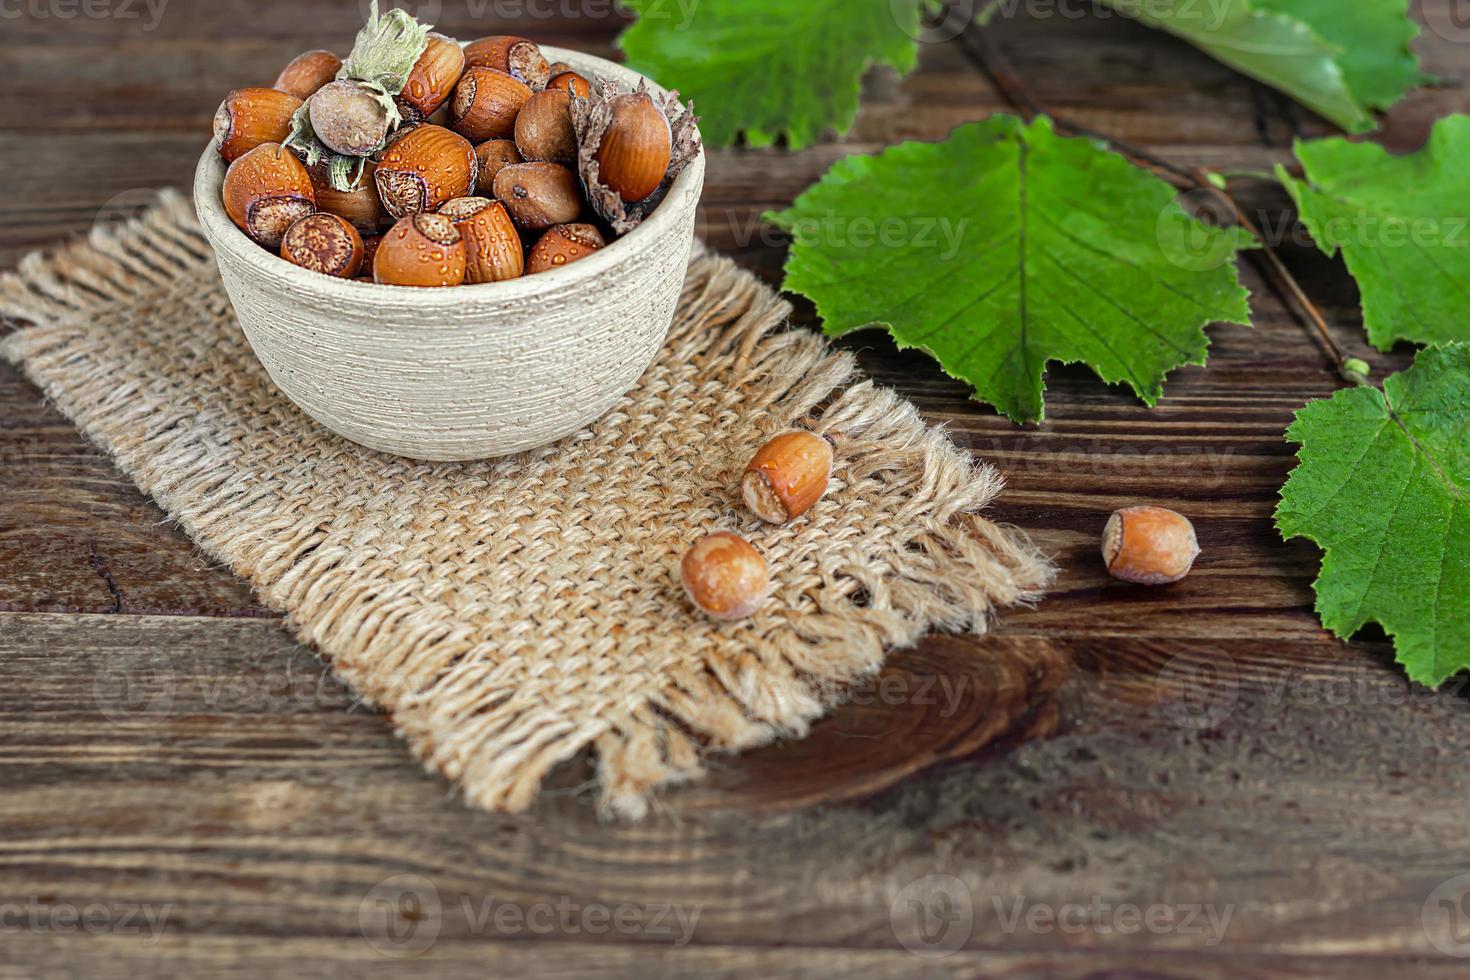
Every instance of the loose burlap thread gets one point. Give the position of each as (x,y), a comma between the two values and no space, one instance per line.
(508,614)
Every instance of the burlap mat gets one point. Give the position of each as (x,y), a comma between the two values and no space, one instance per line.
(507,614)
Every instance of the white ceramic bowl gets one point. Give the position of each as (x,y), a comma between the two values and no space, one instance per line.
(471,371)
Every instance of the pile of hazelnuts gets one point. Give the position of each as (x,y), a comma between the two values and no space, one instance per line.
(479,176)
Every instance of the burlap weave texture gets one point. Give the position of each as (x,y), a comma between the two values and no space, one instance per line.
(507,614)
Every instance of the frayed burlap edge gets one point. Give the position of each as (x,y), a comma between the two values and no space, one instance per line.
(957,569)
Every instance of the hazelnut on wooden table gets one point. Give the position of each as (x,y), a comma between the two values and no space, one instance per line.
(1149,545)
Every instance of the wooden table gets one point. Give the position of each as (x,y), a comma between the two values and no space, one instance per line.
(1090,785)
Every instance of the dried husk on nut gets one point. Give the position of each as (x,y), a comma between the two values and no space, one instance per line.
(385,53)
(591,117)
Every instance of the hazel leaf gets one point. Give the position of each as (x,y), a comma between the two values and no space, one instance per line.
(1401,225)
(1006,247)
(768,68)
(1383,487)
(1342,60)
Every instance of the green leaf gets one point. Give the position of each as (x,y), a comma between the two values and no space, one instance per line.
(1384,488)
(1401,225)
(770,67)
(1340,58)
(1005,247)
(1372,37)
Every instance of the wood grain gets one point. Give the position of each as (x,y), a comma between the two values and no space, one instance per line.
(1206,744)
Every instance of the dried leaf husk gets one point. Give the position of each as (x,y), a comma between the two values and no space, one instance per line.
(591,117)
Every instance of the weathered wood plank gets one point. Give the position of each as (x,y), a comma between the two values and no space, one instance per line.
(213,764)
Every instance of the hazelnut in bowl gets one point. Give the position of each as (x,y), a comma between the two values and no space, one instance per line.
(467,371)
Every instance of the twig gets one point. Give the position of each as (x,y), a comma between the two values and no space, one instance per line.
(989,59)
(1287,280)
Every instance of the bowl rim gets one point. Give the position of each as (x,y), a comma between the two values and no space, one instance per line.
(664,220)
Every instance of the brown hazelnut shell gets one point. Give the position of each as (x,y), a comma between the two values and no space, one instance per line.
(421,250)
(249,117)
(493,251)
(360,206)
(266,191)
(544,128)
(349,119)
(725,576)
(787,476)
(1149,545)
(571,82)
(494,156)
(434,76)
(636,147)
(324,243)
(307,73)
(593,117)
(425,168)
(518,57)
(562,245)
(486,103)
(539,195)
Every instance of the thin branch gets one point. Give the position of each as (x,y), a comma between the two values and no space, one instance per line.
(1283,274)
